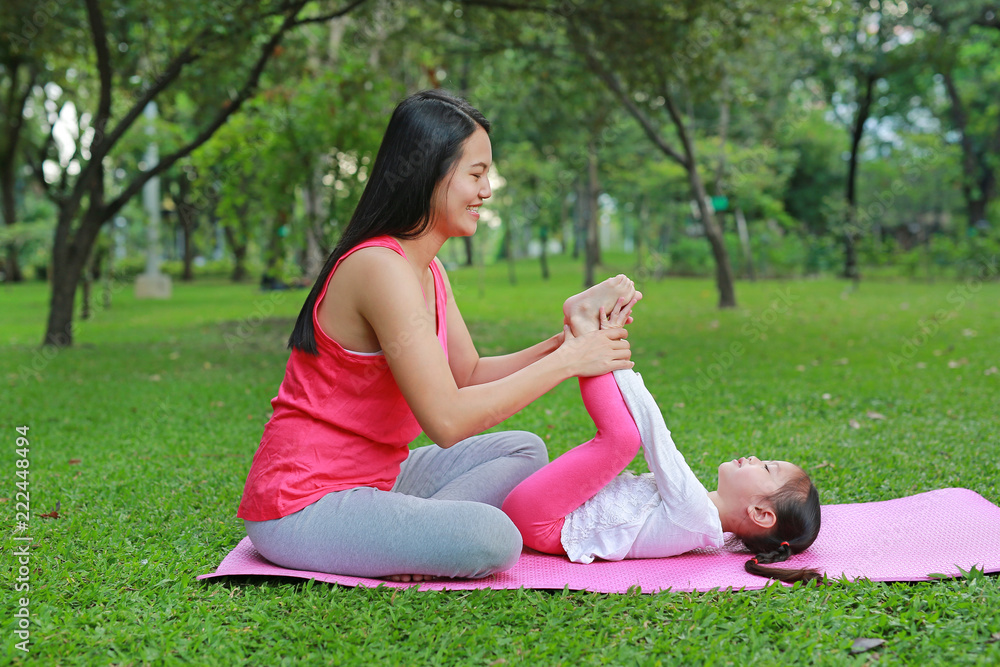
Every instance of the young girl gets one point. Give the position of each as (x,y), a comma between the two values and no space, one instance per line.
(580,506)
(380,353)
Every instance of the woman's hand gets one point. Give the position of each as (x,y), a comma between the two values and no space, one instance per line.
(597,352)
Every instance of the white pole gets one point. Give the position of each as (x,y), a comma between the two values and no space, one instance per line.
(151,197)
(152,284)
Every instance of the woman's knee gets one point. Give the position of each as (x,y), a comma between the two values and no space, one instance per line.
(532,448)
(495,547)
(263,536)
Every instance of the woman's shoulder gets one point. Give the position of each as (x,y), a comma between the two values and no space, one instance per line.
(372,258)
(371,272)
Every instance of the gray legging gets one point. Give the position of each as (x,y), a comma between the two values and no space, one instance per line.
(441,518)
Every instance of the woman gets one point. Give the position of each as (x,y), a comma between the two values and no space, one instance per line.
(380,352)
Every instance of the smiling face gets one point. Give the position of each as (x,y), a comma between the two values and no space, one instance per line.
(744,483)
(456,200)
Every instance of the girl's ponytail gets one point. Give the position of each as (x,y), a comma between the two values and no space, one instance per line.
(782,553)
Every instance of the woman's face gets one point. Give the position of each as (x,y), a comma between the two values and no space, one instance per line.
(457,198)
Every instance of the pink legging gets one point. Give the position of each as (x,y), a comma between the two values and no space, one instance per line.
(538,506)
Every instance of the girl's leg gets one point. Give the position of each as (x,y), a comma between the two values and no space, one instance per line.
(540,503)
(366,532)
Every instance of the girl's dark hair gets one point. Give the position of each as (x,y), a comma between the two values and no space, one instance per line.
(421,143)
(796,507)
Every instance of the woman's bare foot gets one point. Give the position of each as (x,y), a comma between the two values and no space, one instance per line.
(407,578)
(582,311)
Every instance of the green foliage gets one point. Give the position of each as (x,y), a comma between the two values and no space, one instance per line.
(781,81)
(213,269)
(777,255)
(818,171)
(689,256)
(32,239)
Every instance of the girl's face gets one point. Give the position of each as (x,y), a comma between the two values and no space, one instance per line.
(747,480)
(457,198)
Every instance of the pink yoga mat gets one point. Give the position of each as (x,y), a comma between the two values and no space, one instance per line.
(916,538)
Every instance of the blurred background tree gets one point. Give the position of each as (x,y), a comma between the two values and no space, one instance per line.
(733,140)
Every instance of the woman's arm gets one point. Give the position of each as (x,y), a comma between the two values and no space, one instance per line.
(466,364)
(489,369)
(387,295)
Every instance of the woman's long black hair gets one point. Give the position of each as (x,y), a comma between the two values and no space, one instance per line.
(421,143)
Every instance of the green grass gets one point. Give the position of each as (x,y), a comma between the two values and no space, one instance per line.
(162,404)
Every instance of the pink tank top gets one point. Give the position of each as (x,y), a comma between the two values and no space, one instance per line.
(339,421)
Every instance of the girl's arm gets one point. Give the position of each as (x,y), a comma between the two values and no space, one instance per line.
(387,295)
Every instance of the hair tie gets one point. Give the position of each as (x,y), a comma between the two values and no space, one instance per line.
(754,560)
(785,544)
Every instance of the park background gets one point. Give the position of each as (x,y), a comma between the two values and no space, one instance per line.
(805,192)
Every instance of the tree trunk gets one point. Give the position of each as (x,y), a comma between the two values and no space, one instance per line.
(91,274)
(565,223)
(187,219)
(69,258)
(70,253)
(593,191)
(17,98)
(315,252)
(979,180)
(582,230)
(713,232)
(851,228)
(508,250)
(976,208)
(469,255)
(13,271)
(59,329)
(640,234)
(85,287)
(275,253)
(239,255)
(187,275)
(544,256)
(723,269)
(108,276)
(579,218)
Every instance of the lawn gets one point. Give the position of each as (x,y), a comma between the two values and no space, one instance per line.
(140,438)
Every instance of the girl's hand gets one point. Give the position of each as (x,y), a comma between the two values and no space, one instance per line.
(598,352)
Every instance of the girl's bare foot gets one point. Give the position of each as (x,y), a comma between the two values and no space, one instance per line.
(582,311)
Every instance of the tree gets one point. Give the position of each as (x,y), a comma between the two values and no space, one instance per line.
(18,76)
(232,42)
(963,48)
(552,156)
(639,55)
(867,40)
(657,60)
(34,50)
